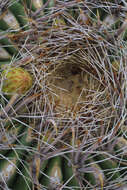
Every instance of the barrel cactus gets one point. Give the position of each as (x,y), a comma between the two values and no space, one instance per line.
(66,60)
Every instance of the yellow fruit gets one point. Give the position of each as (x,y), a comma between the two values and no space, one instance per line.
(16,81)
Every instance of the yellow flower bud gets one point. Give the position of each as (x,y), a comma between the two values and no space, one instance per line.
(16,81)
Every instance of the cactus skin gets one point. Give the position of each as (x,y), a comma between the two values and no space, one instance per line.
(16,81)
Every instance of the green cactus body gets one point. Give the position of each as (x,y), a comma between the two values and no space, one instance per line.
(19,12)
(23,181)
(95,176)
(33,4)
(10,21)
(9,166)
(67,176)
(14,17)
(8,45)
(53,177)
(109,166)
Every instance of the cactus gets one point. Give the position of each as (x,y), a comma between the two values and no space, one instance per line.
(16,80)
(74,55)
